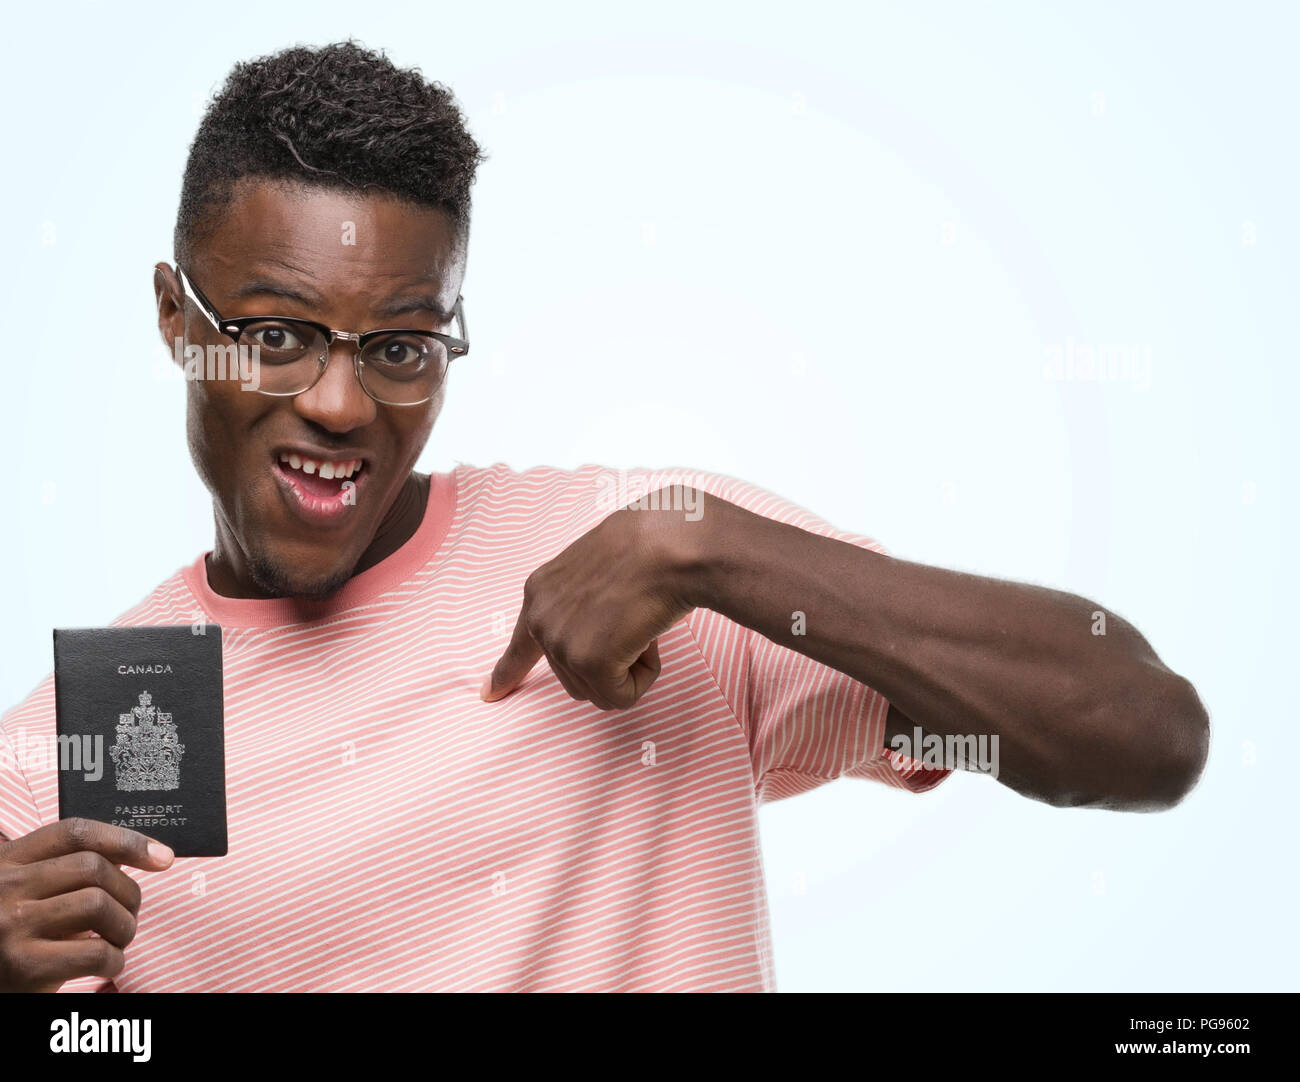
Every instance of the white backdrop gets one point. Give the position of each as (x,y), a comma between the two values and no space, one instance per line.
(832,249)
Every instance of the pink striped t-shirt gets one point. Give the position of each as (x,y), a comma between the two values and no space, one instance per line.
(390,831)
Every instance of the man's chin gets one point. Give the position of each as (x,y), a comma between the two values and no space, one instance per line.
(280,581)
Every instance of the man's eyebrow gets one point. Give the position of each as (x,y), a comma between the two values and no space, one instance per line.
(262,287)
(424,303)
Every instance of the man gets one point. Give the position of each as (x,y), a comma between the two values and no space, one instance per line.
(414,801)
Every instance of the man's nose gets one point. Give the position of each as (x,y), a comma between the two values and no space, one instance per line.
(337,401)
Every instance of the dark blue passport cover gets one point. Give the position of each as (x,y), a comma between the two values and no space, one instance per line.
(140,724)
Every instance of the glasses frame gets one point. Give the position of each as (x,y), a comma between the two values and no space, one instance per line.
(457,346)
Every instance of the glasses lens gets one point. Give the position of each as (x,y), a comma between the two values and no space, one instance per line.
(285,354)
(403,367)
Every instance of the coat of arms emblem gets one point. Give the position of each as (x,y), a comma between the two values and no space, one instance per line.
(148,752)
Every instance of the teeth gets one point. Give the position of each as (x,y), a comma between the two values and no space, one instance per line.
(327,470)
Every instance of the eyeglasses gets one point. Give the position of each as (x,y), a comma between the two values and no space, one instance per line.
(287,356)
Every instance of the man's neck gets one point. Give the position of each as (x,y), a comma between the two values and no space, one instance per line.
(400,524)
(230,575)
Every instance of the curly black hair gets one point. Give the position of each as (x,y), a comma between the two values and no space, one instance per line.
(338,116)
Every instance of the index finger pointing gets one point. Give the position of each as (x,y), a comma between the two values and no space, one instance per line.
(513,665)
(76,835)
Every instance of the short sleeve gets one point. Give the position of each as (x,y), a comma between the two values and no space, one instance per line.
(805,723)
(28,752)
(23,744)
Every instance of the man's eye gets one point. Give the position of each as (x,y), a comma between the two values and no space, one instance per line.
(400,353)
(404,353)
(277,337)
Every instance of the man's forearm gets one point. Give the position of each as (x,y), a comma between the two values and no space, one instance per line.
(1081,718)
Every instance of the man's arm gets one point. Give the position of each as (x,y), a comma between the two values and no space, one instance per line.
(1082,719)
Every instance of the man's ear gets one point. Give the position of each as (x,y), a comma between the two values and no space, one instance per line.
(171,308)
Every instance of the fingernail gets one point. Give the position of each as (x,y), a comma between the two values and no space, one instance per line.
(486,689)
(161,853)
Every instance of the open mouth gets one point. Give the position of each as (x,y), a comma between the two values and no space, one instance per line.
(322,488)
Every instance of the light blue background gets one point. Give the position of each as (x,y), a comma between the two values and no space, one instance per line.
(822,247)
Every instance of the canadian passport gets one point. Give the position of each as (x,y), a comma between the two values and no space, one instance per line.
(139,719)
